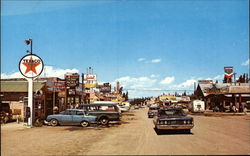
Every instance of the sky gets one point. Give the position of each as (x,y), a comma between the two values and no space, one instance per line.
(151,46)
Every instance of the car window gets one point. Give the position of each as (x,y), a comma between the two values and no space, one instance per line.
(72,112)
(66,112)
(79,113)
(172,112)
(62,112)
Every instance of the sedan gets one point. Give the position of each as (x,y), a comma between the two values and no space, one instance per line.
(173,119)
(71,117)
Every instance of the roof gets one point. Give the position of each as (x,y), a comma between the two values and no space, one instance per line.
(19,86)
(239,89)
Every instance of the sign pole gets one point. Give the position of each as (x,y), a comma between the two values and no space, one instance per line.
(30,101)
(30,66)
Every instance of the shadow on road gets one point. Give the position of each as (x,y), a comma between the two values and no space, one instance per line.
(172,132)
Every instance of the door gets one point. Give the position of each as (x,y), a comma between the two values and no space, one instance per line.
(67,118)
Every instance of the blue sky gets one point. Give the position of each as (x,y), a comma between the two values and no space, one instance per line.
(150,46)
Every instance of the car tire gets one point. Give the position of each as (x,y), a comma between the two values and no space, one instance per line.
(84,123)
(104,120)
(53,122)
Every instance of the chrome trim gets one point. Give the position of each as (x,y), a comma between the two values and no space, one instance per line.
(174,126)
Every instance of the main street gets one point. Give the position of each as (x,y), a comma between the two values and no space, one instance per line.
(133,136)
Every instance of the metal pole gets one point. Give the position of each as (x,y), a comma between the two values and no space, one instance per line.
(30,101)
(31,46)
(53,98)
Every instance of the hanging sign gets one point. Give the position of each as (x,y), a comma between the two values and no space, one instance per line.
(31,66)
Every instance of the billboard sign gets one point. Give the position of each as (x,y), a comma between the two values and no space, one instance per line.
(105,88)
(72,80)
(90,77)
(90,85)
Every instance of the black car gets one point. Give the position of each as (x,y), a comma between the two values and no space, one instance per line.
(173,119)
(152,111)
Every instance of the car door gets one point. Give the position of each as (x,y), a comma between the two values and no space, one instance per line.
(68,117)
(78,117)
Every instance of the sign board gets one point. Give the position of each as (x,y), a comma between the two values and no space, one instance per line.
(72,80)
(89,77)
(228,72)
(105,88)
(90,85)
(31,66)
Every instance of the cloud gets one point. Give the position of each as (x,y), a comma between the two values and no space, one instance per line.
(246,63)
(154,76)
(135,83)
(48,71)
(218,77)
(185,85)
(13,75)
(155,60)
(167,80)
(141,59)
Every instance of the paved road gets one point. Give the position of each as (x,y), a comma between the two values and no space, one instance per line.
(135,136)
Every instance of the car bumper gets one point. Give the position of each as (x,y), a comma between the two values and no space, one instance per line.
(174,126)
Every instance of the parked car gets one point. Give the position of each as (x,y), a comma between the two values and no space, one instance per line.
(104,112)
(71,117)
(173,118)
(152,111)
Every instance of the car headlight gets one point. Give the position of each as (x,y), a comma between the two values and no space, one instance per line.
(184,121)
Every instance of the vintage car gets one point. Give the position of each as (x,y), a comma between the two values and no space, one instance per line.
(104,111)
(173,119)
(152,111)
(71,117)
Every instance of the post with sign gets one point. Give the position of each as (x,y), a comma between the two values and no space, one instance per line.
(30,66)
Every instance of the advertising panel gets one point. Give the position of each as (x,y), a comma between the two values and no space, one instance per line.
(105,88)
(90,85)
(228,72)
(89,77)
(72,80)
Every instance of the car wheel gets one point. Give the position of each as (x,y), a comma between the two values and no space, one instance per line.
(54,122)
(84,123)
(104,121)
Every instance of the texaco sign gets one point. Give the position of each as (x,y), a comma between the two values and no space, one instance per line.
(31,66)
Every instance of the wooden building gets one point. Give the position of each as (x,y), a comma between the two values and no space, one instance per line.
(15,95)
(224,95)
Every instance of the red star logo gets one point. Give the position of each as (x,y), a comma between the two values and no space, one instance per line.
(31,65)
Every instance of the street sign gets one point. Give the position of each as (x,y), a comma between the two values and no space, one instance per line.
(31,66)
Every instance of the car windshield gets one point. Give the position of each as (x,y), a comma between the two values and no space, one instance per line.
(172,112)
